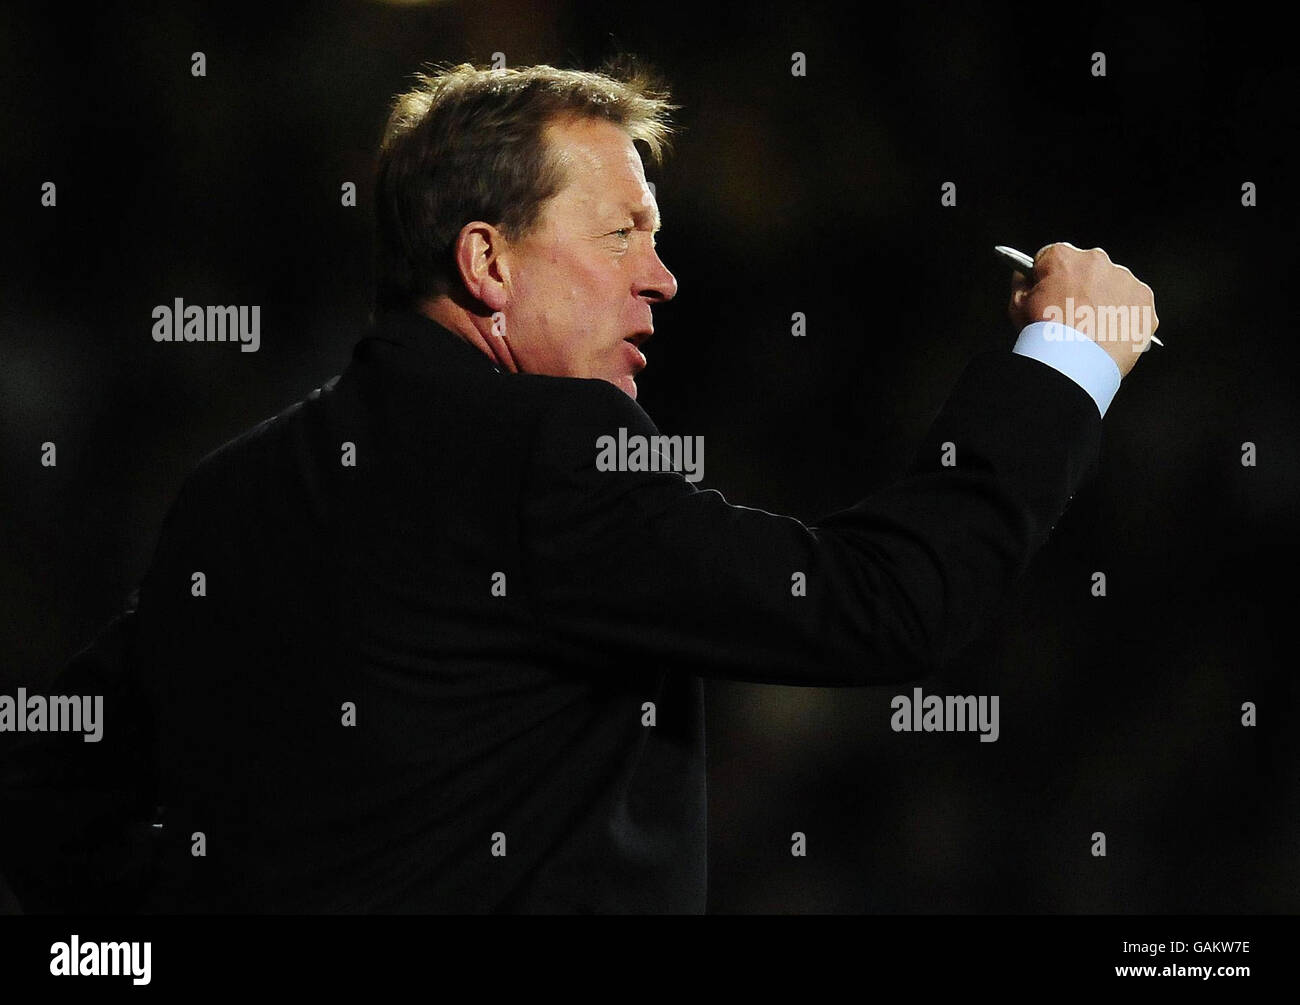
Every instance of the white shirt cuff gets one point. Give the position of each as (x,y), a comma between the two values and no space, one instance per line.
(1074,354)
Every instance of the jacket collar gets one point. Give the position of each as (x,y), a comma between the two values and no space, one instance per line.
(432,342)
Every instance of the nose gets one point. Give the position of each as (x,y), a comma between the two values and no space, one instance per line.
(659,285)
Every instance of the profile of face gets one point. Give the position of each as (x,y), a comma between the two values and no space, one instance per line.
(576,293)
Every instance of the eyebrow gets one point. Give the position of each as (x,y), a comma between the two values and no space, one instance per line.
(638,212)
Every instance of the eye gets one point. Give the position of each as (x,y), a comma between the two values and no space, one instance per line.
(625,231)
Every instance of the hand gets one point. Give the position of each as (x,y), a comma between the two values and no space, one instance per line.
(1086,291)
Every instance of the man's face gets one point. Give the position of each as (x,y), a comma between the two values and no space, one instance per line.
(583,282)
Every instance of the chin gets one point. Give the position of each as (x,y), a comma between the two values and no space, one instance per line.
(625,383)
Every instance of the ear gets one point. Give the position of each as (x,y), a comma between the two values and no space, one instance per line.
(480,252)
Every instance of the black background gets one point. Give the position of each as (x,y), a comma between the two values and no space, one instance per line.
(818,194)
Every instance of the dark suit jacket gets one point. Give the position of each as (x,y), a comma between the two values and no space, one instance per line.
(500,759)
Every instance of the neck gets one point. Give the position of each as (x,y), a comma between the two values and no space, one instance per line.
(471,328)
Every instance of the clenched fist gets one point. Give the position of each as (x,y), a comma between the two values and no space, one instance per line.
(1086,291)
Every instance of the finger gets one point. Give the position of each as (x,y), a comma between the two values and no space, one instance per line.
(1046,257)
(1020,287)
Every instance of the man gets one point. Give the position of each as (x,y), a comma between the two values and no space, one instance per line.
(411,646)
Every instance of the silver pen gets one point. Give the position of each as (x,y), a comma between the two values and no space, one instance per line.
(1025,264)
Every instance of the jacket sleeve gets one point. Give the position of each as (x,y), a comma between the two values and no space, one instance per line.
(74,816)
(645,566)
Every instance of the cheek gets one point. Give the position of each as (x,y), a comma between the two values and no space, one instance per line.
(583,312)
(572,307)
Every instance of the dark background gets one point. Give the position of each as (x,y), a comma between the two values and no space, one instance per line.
(819,194)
